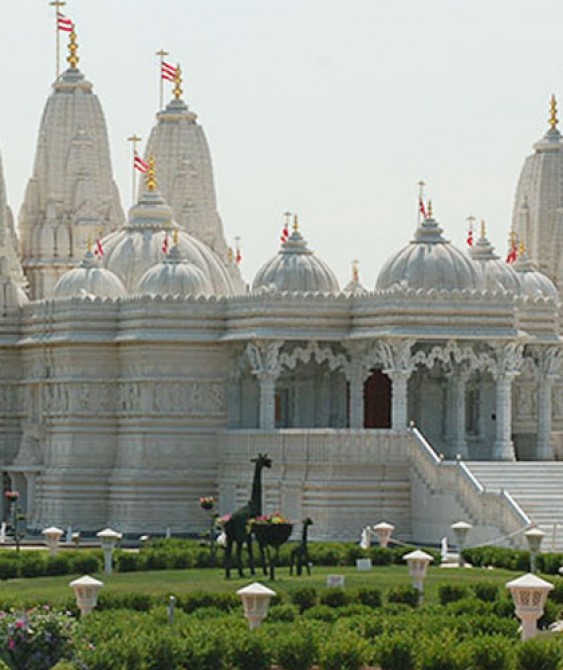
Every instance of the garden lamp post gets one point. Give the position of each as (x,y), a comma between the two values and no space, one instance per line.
(86,590)
(52,538)
(255,601)
(534,537)
(418,562)
(529,594)
(108,538)
(383,531)
(460,529)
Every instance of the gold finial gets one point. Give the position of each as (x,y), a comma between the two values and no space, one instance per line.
(521,248)
(89,244)
(175,237)
(72,58)
(295,223)
(483,229)
(178,83)
(553,120)
(430,212)
(150,179)
(355,271)
(230,254)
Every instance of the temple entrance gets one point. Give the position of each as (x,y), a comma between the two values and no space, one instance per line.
(377,401)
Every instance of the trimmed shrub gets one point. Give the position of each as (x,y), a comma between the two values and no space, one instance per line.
(283,613)
(296,651)
(441,653)
(248,652)
(202,650)
(486,591)
(369,597)
(490,652)
(8,569)
(344,652)
(335,597)
(396,651)
(32,564)
(304,598)
(450,593)
(127,561)
(404,595)
(538,654)
(83,563)
(57,565)
(322,613)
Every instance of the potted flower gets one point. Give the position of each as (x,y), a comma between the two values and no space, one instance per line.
(207,503)
(271,530)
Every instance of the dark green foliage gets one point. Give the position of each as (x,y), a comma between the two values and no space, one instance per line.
(248,652)
(404,595)
(57,565)
(442,653)
(8,569)
(486,591)
(322,613)
(304,597)
(283,613)
(127,561)
(490,652)
(344,652)
(334,597)
(449,593)
(557,594)
(138,602)
(297,650)
(370,597)
(85,563)
(396,651)
(538,654)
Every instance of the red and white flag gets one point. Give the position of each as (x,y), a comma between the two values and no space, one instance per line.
(140,164)
(238,256)
(512,255)
(285,233)
(470,235)
(99,251)
(168,71)
(165,244)
(64,23)
(422,208)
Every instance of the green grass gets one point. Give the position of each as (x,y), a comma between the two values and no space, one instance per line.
(56,590)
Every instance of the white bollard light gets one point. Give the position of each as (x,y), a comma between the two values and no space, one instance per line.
(52,537)
(109,539)
(418,562)
(255,601)
(529,594)
(534,537)
(384,531)
(86,590)
(460,529)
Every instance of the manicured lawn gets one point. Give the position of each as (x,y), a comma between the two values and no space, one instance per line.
(55,590)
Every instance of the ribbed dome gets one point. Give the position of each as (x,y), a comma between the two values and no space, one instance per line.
(175,277)
(497,273)
(296,269)
(139,246)
(89,279)
(430,262)
(533,283)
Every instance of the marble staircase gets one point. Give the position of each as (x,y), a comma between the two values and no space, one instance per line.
(536,486)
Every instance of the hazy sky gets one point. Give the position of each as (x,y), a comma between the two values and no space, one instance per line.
(330,109)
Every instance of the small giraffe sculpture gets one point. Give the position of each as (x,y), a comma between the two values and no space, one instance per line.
(237,528)
(300,553)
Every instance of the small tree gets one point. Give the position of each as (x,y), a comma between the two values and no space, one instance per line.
(17,517)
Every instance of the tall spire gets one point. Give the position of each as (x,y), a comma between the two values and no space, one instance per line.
(72,58)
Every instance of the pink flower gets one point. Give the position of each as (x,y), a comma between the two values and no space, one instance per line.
(11,644)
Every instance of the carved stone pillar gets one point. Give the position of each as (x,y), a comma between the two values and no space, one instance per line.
(265,363)
(548,367)
(356,381)
(460,438)
(508,366)
(399,367)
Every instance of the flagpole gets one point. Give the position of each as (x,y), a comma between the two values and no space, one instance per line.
(57,4)
(161,53)
(421,185)
(134,139)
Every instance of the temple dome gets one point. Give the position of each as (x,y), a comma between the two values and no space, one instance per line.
(89,279)
(354,287)
(174,276)
(497,273)
(296,268)
(430,261)
(533,283)
(141,244)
